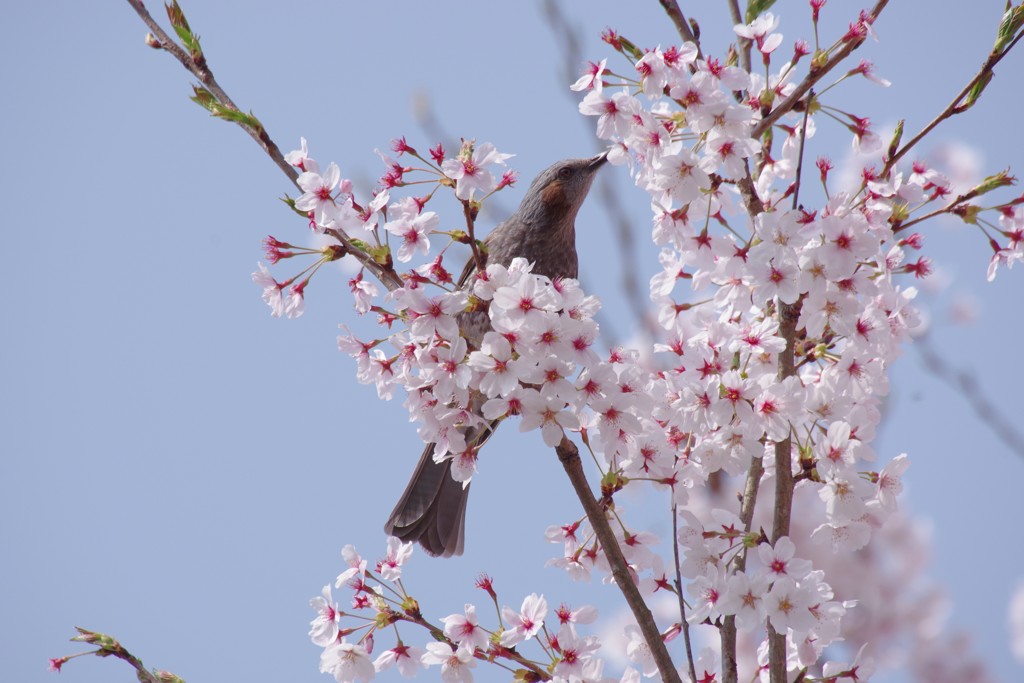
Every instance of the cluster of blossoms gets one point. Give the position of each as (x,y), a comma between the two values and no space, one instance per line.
(781,346)
(526,366)
(329,203)
(379,600)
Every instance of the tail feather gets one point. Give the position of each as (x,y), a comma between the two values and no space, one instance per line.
(432,510)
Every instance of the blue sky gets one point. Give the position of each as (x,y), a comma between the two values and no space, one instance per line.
(181,470)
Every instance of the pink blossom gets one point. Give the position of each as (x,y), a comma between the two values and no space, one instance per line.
(781,560)
(323,630)
(398,553)
(464,629)
(272,290)
(470,172)
(889,484)
(525,623)
(356,567)
(788,606)
(407,658)
(318,193)
(456,664)
(347,662)
(591,78)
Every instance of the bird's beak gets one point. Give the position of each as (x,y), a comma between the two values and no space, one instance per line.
(596,162)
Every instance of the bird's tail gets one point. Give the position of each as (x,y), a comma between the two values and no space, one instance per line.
(433,508)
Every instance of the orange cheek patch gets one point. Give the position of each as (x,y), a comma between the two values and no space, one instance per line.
(553,194)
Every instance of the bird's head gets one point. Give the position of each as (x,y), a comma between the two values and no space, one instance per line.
(556,194)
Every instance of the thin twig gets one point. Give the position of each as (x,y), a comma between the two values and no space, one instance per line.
(483,655)
(205,75)
(784,484)
(679,593)
(813,77)
(671,8)
(745,44)
(931,214)
(800,154)
(107,646)
(954,107)
(569,456)
(727,634)
(478,259)
(788,316)
(202,71)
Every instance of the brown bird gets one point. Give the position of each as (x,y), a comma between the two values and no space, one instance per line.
(543,231)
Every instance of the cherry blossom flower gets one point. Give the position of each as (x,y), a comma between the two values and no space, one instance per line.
(862,668)
(272,290)
(407,658)
(347,662)
(788,606)
(707,591)
(398,553)
(300,158)
(493,363)
(760,32)
(456,664)
(295,304)
(356,567)
(523,303)
(574,652)
(324,628)
(363,292)
(889,484)
(614,113)
(639,652)
(469,170)
(550,414)
(413,226)
(591,78)
(318,193)
(848,537)
(779,560)
(744,598)
(525,623)
(844,495)
(432,315)
(464,628)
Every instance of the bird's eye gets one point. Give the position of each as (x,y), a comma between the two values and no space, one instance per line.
(564,172)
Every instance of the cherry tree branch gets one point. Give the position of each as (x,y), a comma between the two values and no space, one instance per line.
(684,624)
(106,646)
(413,616)
(727,634)
(957,105)
(671,8)
(478,259)
(745,44)
(788,316)
(215,99)
(815,75)
(569,456)
(198,67)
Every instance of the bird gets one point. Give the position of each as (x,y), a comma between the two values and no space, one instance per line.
(432,510)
